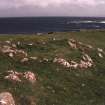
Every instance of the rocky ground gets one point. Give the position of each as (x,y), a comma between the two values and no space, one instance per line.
(54,69)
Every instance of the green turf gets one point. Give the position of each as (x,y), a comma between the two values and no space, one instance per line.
(55,84)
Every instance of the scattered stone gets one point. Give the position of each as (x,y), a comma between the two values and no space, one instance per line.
(78,45)
(30,44)
(100,55)
(100,50)
(15,72)
(18,43)
(84,45)
(62,62)
(14,45)
(86,57)
(89,46)
(6,49)
(13,51)
(72,43)
(74,65)
(83,84)
(8,42)
(6,98)
(43,43)
(21,52)
(53,39)
(11,55)
(24,60)
(45,59)
(85,62)
(30,76)
(13,76)
(34,58)
(18,76)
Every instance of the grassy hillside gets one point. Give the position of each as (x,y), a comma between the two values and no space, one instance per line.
(55,84)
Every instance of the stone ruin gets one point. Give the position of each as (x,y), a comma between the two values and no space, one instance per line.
(78,45)
(85,62)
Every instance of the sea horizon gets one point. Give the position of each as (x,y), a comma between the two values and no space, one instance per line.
(30,25)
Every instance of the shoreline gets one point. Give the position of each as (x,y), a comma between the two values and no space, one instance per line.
(51,32)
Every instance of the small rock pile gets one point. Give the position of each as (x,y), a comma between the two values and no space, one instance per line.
(18,76)
(100,52)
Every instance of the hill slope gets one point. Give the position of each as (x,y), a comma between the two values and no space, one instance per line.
(69,68)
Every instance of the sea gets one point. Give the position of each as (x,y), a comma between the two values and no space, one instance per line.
(31,25)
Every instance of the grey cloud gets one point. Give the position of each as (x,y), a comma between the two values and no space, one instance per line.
(52,8)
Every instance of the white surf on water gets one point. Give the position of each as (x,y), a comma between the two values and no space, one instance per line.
(87,21)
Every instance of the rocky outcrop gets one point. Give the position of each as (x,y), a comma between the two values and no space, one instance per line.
(6,98)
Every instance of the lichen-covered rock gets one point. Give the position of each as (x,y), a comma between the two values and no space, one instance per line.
(6,98)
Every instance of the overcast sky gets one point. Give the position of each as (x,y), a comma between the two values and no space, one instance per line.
(9,8)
